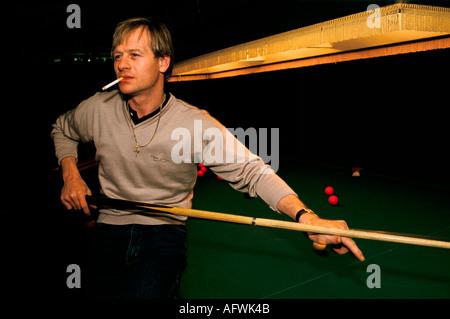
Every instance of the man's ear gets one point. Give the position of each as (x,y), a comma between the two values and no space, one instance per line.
(164,64)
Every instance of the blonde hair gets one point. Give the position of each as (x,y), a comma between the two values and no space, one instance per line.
(161,40)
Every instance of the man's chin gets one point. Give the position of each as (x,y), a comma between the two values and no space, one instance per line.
(126,90)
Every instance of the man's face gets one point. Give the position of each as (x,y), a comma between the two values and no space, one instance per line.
(136,63)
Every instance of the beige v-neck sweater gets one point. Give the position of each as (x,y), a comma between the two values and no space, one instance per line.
(165,171)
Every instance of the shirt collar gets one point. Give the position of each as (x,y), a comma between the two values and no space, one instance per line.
(136,120)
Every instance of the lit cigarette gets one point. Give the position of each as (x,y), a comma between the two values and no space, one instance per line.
(112,83)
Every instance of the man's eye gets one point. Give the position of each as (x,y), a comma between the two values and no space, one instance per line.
(117,57)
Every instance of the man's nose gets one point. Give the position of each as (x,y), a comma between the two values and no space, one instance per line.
(123,64)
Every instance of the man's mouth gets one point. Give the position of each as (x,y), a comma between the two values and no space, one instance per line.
(126,78)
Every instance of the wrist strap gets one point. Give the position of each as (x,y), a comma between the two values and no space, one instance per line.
(303,211)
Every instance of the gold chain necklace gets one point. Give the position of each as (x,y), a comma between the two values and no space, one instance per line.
(138,147)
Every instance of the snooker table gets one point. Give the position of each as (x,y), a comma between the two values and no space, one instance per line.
(240,261)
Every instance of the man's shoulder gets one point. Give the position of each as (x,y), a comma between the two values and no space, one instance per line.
(188,109)
(101,100)
(108,97)
(188,114)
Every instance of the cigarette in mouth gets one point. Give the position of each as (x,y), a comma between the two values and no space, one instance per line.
(107,86)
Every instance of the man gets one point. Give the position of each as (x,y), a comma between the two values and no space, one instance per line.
(135,132)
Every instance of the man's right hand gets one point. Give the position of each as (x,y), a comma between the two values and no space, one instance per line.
(74,191)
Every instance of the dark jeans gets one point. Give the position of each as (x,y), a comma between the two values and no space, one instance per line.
(136,261)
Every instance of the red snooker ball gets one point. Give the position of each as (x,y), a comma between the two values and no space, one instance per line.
(333,200)
(329,190)
(200,173)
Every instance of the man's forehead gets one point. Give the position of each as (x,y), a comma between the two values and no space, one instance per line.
(135,40)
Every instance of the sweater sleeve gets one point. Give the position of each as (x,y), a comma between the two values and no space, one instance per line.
(71,128)
(245,171)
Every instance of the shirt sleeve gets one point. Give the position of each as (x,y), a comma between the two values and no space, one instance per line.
(245,171)
(71,128)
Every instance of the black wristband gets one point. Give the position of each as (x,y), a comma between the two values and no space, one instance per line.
(301,212)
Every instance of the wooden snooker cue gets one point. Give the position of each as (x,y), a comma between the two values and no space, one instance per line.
(263,222)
